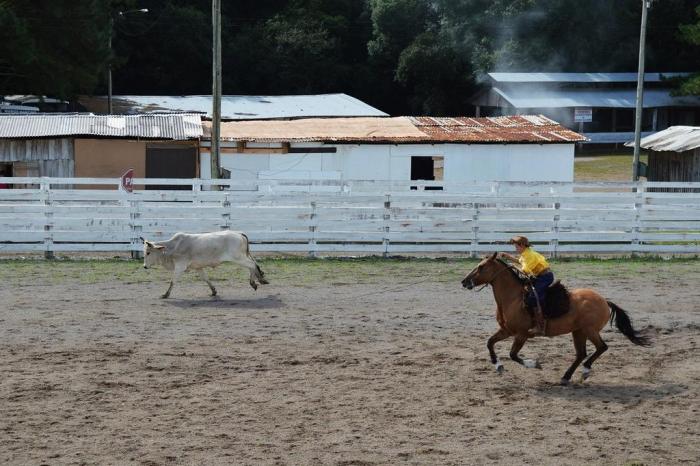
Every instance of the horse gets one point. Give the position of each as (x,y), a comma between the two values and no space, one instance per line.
(588,313)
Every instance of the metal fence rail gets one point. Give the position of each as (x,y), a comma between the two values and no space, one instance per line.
(379,217)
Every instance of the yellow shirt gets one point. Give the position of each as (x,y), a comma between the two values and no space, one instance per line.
(533,262)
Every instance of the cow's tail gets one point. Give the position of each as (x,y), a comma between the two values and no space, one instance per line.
(259,274)
(624,325)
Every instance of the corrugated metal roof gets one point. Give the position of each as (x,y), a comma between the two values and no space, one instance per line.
(241,107)
(675,138)
(176,127)
(520,129)
(537,97)
(579,77)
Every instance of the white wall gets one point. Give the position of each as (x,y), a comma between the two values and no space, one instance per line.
(463,162)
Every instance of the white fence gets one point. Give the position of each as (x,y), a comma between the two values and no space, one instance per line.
(319,216)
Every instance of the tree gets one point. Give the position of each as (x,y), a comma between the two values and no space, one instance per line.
(53,47)
(691,34)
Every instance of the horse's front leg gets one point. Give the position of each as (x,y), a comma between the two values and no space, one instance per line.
(495,338)
(518,343)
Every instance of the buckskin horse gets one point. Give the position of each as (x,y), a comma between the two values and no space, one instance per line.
(587,314)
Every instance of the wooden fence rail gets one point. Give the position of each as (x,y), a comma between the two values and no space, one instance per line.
(378,217)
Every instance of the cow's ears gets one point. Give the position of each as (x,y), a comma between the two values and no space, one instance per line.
(157,246)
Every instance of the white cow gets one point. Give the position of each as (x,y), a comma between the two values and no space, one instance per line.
(185,251)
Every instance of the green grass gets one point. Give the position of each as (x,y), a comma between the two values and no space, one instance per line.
(604,167)
(301,272)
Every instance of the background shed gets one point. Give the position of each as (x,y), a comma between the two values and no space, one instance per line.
(674,154)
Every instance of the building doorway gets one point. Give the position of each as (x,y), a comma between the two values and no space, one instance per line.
(171,162)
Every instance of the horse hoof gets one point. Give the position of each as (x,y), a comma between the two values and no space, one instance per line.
(564,382)
(532,364)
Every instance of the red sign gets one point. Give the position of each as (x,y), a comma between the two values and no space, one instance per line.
(127,182)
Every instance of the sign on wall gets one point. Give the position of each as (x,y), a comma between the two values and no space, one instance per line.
(583,114)
(127,181)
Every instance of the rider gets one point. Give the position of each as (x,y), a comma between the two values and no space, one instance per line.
(533,263)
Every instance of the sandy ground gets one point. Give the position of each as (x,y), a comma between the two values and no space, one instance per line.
(333,373)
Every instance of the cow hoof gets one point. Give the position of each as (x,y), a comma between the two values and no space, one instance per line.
(564,382)
(164,296)
(264,282)
(255,287)
(213,293)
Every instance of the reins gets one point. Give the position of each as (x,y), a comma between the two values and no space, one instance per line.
(506,267)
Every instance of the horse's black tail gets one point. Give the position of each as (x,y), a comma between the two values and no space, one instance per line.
(624,325)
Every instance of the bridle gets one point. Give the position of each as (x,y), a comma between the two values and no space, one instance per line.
(490,281)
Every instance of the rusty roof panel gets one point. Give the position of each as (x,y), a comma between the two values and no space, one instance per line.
(513,129)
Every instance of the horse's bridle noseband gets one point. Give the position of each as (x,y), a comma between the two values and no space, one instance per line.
(490,281)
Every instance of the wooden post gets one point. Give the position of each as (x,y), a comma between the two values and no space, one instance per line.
(48,218)
(136,229)
(554,241)
(226,215)
(475,233)
(387,218)
(312,230)
(638,212)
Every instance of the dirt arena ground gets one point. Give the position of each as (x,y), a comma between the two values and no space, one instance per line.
(355,362)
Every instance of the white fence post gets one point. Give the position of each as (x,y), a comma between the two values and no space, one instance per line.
(554,240)
(638,212)
(387,218)
(227,208)
(136,226)
(475,232)
(313,223)
(45,196)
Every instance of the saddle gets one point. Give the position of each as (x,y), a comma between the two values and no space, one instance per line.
(557,302)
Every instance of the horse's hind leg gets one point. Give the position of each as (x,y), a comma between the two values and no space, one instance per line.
(580,346)
(518,343)
(600,348)
(495,338)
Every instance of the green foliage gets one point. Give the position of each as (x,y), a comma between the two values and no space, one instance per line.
(691,34)
(403,56)
(57,47)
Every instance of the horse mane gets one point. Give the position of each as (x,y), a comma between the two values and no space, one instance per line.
(517,273)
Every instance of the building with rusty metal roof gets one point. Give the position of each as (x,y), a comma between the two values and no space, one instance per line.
(599,105)
(517,148)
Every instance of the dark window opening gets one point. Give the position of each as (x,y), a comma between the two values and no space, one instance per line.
(5,171)
(428,169)
(175,162)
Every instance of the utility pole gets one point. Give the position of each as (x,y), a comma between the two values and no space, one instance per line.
(640,92)
(109,66)
(216,90)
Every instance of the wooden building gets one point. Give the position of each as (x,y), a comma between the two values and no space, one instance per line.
(674,154)
(100,146)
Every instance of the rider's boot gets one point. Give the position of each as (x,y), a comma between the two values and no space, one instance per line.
(537,329)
